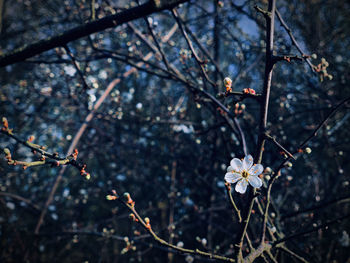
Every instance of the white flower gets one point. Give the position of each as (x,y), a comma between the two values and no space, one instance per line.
(243,172)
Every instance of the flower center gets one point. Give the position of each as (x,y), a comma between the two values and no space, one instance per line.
(245,174)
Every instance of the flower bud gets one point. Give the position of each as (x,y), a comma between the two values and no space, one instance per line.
(227,82)
(180,244)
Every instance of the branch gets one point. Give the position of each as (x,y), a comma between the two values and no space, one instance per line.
(86,29)
(322,226)
(264,103)
(288,58)
(335,109)
(287,251)
(314,133)
(54,158)
(257,252)
(20,198)
(145,223)
(189,43)
(77,67)
(83,127)
(273,139)
(238,212)
(345,199)
(270,25)
(296,44)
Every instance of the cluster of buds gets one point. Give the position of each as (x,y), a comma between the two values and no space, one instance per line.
(184,55)
(283,154)
(129,200)
(203,241)
(113,196)
(10,161)
(129,246)
(249,91)
(322,70)
(133,217)
(5,126)
(239,108)
(84,173)
(228,84)
(107,233)
(148,223)
(307,150)
(8,156)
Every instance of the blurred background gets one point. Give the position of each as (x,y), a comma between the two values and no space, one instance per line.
(158,138)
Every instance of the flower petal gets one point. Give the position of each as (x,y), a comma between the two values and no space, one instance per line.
(241,186)
(255,181)
(229,169)
(236,164)
(232,177)
(247,162)
(256,170)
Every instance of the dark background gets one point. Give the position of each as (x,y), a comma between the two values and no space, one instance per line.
(165,144)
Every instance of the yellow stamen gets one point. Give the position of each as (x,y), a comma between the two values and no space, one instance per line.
(245,174)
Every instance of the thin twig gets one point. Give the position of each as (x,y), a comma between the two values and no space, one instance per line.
(189,43)
(263,112)
(146,225)
(20,198)
(345,199)
(232,201)
(314,229)
(76,66)
(296,44)
(288,251)
(273,139)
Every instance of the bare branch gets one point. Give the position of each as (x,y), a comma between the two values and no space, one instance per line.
(87,29)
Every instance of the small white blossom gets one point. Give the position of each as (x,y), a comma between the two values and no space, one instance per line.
(244,172)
